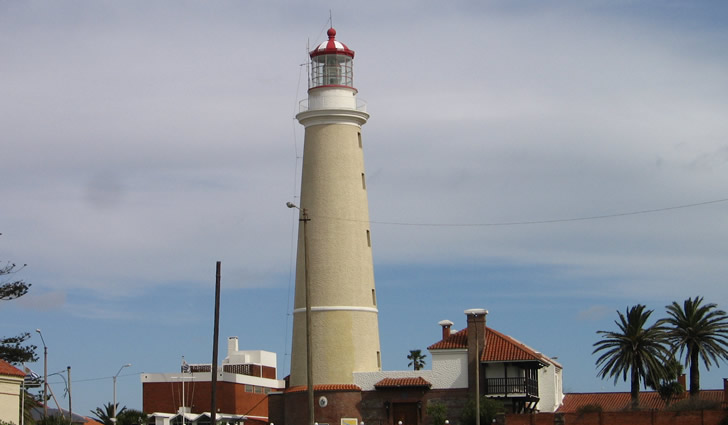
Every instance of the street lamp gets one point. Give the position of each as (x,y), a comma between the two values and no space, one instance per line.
(113,418)
(45,374)
(309,357)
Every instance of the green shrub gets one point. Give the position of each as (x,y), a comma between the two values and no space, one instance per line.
(437,412)
(489,408)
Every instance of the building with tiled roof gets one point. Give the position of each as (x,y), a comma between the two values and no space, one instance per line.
(510,371)
(621,401)
(11,379)
(523,378)
(403,383)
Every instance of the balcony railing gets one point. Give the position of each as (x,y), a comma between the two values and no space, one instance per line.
(511,386)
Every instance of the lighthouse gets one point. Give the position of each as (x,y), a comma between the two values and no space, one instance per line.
(334,255)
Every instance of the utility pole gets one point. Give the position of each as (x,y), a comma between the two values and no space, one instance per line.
(216,332)
(70,408)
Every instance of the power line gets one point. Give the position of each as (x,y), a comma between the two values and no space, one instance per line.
(103,378)
(530,222)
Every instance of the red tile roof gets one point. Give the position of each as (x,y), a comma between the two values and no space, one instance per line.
(613,402)
(325,387)
(9,370)
(402,382)
(455,340)
(498,347)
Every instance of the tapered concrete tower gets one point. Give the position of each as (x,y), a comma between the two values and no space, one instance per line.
(345,329)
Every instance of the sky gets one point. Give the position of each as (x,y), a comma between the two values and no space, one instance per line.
(551,161)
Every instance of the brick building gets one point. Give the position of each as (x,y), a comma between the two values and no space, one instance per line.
(244,380)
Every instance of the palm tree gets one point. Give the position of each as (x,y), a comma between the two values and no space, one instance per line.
(699,331)
(417,359)
(105,413)
(635,350)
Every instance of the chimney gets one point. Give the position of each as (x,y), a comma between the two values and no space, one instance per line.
(725,390)
(476,345)
(681,380)
(232,345)
(446,324)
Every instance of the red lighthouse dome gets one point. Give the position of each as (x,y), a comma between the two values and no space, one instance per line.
(332,46)
(331,64)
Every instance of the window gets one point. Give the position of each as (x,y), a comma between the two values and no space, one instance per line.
(248,388)
(363,182)
(335,70)
(379,360)
(374,297)
(359,136)
(369,239)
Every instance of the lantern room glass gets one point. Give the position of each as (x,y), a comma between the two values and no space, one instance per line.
(331,70)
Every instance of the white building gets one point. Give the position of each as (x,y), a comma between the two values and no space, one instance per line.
(522,378)
(11,380)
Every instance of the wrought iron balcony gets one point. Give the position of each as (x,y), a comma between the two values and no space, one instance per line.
(511,386)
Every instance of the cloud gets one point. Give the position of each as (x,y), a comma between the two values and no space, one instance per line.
(43,301)
(595,312)
(143,142)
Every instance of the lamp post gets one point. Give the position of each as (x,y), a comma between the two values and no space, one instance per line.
(113,407)
(309,357)
(45,374)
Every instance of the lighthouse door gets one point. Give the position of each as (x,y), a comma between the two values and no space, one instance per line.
(406,413)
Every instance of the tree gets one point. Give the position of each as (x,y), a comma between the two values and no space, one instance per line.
(437,411)
(29,403)
(635,350)
(131,417)
(12,349)
(417,359)
(700,332)
(10,290)
(489,409)
(668,385)
(104,413)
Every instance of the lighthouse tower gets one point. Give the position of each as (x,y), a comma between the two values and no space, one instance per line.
(338,265)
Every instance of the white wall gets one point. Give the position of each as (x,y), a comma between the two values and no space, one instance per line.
(496,370)
(450,367)
(10,398)
(550,388)
(449,370)
(265,358)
